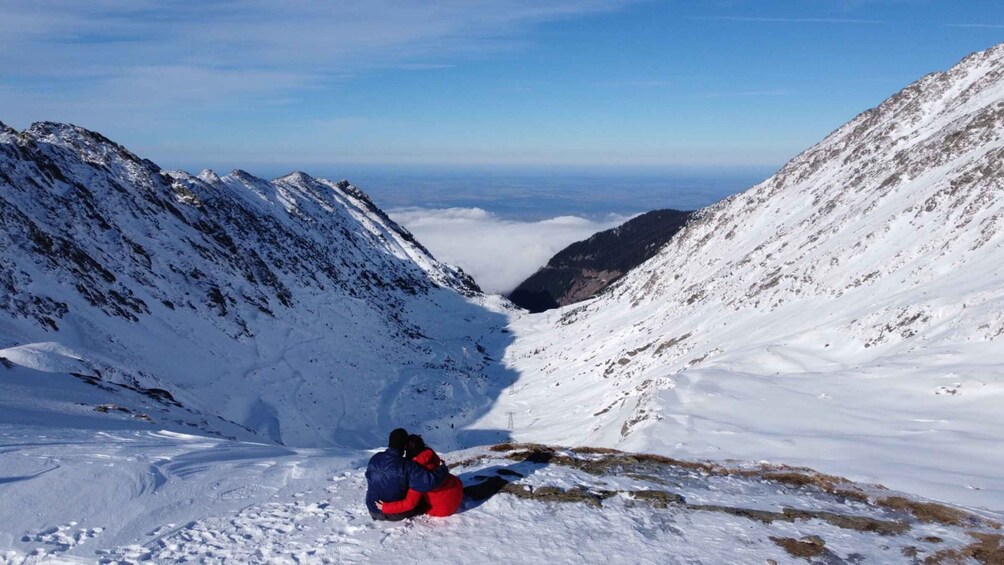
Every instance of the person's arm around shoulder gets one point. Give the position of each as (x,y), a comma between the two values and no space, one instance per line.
(401,506)
(423,481)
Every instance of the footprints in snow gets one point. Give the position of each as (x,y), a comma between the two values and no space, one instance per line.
(63,537)
(331,526)
(58,538)
(312,528)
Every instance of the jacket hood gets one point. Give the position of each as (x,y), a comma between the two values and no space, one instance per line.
(427,459)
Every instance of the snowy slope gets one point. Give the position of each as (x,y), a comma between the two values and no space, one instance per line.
(847,313)
(157,497)
(292,310)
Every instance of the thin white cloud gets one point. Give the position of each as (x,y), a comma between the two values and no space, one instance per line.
(641,83)
(979,26)
(82,61)
(424,66)
(498,253)
(748,93)
(753,19)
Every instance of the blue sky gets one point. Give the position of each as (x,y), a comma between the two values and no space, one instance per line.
(272,86)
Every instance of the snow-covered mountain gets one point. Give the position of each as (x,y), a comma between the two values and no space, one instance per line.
(846,313)
(291,310)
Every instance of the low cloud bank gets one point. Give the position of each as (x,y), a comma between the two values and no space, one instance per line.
(498,253)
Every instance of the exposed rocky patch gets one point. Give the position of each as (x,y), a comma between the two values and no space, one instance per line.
(585,268)
(816,506)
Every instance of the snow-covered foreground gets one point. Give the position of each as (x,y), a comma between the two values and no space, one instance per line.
(130,496)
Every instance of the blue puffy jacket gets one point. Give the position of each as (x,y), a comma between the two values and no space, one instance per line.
(389,476)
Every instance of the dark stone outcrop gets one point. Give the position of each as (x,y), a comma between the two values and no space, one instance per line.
(585,268)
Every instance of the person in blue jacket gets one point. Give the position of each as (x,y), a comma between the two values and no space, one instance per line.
(389,475)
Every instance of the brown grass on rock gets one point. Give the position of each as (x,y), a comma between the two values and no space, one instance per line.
(800,478)
(616,459)
(858,523)
(599,461)
(517,446)
(806,548)
(986,550)
(595,450)
(466,462)
(764,516)
(658,498)
(928,511)
(554,494)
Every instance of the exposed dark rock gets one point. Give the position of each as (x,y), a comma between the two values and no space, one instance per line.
(585,268)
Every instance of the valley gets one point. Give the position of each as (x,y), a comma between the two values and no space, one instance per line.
(197,367)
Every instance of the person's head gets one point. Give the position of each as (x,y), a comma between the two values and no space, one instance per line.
(398,439)
(415,446)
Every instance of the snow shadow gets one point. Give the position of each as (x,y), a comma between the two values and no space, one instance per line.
(483,484)
(458,381)
(477,438)
(8,480)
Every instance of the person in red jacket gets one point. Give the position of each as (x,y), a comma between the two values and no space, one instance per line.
(444,500)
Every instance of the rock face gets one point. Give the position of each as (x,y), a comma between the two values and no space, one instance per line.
(260,302)
(585,268)
(865,277)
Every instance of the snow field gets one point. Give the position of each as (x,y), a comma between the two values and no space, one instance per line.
(227,502)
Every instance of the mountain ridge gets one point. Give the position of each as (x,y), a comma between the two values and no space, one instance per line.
(862,279)
(283,295)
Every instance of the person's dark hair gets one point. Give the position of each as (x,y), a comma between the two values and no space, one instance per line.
(415,446)
(398,439)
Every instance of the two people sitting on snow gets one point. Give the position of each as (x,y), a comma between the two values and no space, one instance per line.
(408,479)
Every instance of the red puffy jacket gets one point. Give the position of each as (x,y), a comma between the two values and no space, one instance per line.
(444,500)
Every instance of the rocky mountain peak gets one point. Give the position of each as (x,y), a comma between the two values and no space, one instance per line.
(209,176)
(297,177)
(244,175)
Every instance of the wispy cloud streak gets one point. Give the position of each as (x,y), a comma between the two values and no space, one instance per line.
(63,59)
(983,26)
(753,19)
(748,93)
